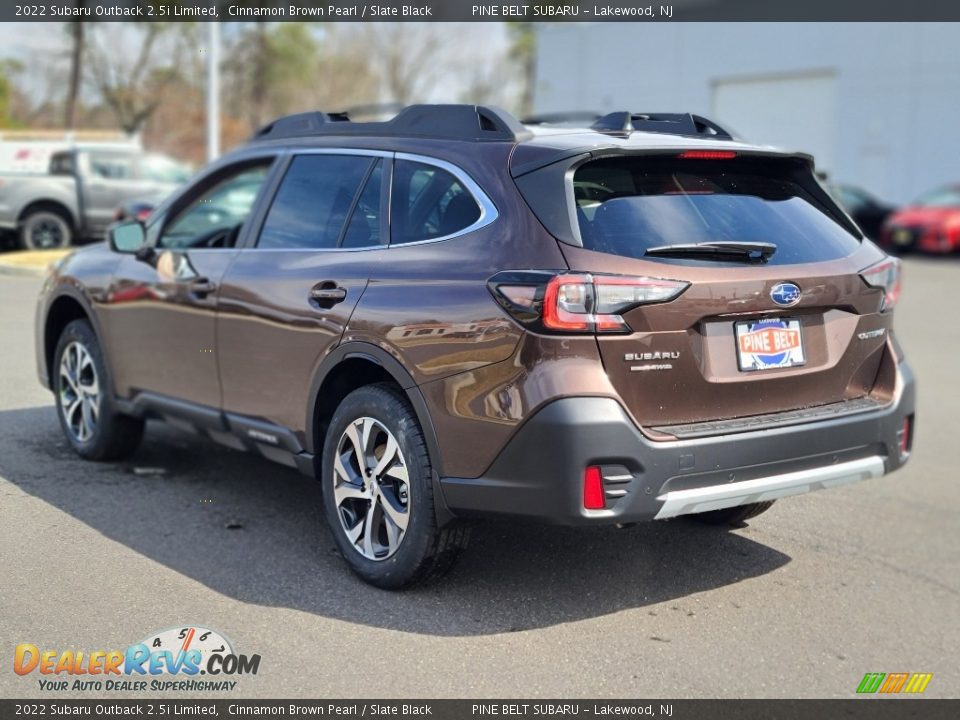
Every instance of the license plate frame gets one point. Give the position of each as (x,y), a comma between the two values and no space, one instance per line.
(769,344)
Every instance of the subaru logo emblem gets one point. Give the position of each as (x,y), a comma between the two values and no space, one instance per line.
(785,294)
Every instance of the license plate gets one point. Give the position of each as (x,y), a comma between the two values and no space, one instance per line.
(901,236)
(769,343)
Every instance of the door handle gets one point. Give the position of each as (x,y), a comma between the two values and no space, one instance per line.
(327,294)
(201,287)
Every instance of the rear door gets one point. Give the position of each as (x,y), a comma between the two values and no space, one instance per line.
(747,337)
(288,296)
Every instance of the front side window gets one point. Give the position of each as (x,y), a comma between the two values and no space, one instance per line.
(215,218)
(428,203)
(314,201)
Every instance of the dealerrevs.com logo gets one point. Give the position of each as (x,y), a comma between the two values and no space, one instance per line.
(185,659)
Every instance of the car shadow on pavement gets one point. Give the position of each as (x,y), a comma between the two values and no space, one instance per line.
(251,530)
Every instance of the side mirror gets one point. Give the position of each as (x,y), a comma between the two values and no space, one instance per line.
(127,237)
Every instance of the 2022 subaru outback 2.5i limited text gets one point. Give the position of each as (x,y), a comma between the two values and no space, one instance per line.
(451,315)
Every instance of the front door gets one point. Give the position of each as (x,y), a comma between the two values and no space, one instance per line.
(159,315)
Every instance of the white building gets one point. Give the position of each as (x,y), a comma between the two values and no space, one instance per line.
(878,104)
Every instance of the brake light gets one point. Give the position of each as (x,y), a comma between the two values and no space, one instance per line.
(578,302)
(707,155)
(886,276)
(593,497)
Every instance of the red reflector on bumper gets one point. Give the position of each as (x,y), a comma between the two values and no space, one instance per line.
(904,437)
(593,497)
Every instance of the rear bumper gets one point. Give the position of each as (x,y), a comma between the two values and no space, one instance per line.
(539,474)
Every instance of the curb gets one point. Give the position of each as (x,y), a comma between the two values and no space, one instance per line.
(18,271)
(30,263)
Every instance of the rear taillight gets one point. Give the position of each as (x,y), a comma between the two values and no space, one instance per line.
(578,302)
(886,276)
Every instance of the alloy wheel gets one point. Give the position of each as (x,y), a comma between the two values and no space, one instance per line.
(371,488)
(46,234)
(79,391)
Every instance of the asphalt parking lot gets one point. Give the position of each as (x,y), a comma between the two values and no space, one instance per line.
(800,603)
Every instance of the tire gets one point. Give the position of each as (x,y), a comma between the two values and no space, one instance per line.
(85,406)
(368,508)
(45,229)
(733,516)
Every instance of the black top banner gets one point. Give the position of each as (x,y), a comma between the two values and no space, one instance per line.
(478,11)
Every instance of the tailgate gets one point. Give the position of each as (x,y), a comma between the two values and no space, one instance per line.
(751,335)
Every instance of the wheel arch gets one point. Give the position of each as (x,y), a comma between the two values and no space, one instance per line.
(48,204)
(67,306)
(353,365)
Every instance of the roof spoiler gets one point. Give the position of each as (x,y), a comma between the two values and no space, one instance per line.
(624,122)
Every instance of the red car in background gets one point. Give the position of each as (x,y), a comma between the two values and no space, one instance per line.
(931,223)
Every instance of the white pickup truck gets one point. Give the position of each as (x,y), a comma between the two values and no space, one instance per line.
(79,194)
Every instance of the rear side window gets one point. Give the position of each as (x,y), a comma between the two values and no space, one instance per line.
(627,205)
(363,230)
(314,199)
(428,203)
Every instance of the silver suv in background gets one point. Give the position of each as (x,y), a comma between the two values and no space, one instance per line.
(78,196)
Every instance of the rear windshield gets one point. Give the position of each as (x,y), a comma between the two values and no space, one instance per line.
(627,205)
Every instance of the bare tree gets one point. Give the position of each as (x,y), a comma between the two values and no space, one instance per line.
(523,52)
(133,86)
(345,75)
(76,31)
(271,69)
(408,57)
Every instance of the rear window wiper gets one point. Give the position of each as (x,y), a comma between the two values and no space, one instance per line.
(754,252)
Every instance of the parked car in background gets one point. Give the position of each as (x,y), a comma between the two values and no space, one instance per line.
(867,210)
(78,196)
(137,208)
(931,223)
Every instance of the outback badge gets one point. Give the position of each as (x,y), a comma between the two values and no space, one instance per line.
(785,294)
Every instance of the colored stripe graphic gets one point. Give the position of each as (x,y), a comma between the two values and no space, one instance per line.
(913,683)
(894,682)
(870,683)
(918,682)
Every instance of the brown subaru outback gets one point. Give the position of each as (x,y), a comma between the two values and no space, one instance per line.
(451,314)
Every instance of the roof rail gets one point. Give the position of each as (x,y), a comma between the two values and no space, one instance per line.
(625,122)
(451,122)
(583,118)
